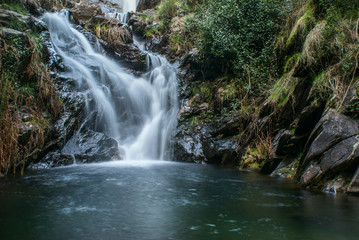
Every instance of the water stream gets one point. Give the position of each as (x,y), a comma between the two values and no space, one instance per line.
(139,112)
(163,200)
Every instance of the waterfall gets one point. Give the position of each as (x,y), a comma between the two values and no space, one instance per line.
(129,5)
(139,112)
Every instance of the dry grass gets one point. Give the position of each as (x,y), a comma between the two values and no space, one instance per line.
(264,145)
(313,44)
(39,96)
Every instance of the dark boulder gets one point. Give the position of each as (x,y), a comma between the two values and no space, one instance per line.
(270,165)
(332,149)
(308,118)
(282,144)
(188,144)
(330,130)
(89,146)
(220,152)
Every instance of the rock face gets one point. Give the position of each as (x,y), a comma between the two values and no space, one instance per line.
(85,146)
(332,149)
(205,143)
(88,146)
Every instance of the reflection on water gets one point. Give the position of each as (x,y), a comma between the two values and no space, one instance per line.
(167,200)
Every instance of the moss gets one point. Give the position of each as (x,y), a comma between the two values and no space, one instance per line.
(252,159)
(302,26)
(15,7)
(282,89)
(152,31)
(292,61)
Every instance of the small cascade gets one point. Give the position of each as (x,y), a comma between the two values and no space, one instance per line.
(139,112)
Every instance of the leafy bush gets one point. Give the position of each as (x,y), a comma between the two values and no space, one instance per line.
(240,34)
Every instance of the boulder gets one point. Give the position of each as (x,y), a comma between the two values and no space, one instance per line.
(188,145)
(53,159)
(282,144)
(231,126)
(198,143)
(220,152)
(308,118)
(332,149)
(89,146)
(270,165)
(332,128)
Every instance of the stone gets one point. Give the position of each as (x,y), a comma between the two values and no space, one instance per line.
(282,144)
(308,118)
(331,129)
(221,152)
(343,157)
(270,165)
(89,146)
(188,145)
(231,126)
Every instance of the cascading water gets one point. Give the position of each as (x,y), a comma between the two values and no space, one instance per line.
(139,112)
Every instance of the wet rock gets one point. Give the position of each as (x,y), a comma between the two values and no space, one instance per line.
(54,159)
(188,145)
(131,56)
(221,152)
(89,146)
(114,33)
(286,168)
(198,144)
(231,126)
(343,157)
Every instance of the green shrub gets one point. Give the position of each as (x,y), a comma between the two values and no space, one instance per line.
(240,34)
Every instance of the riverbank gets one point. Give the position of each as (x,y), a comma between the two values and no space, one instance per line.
(291,115)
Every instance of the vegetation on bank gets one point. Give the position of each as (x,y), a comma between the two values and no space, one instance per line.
(28,99)
(261,50)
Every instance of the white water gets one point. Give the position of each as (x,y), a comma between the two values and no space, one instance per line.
(125,5)
(139,112)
